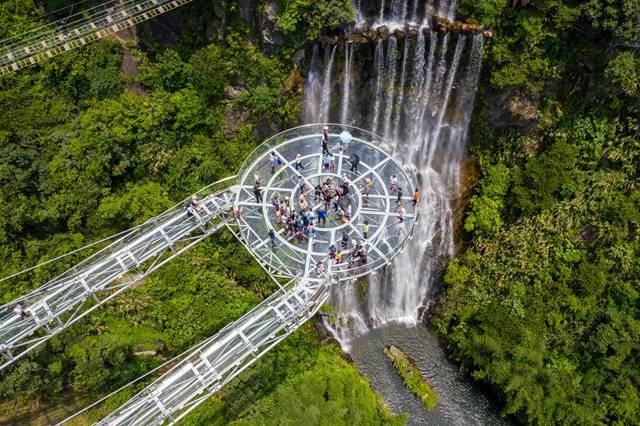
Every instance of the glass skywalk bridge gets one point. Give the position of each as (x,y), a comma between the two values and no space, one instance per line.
(64,300)
(77,30)
(365,189)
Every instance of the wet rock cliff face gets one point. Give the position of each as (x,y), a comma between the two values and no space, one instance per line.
(209,23)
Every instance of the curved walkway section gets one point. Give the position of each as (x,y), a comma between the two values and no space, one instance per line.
(29,321)
(331,197)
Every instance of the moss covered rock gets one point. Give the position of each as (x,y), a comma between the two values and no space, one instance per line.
(411,376)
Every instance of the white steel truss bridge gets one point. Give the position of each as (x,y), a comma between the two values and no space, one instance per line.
(315,205)
(67,298)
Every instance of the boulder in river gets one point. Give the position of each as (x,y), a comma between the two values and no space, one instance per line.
(411,376)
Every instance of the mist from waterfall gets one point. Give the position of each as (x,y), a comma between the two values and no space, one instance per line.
(418,93)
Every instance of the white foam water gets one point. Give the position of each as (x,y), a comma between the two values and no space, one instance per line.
(423,106)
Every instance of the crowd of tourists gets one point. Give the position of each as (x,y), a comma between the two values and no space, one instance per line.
(329,201)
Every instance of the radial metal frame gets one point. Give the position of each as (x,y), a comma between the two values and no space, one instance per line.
(66,299)
(290,259)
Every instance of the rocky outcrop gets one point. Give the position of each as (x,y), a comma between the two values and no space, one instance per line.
(514,108)
(442,25)
(232,92)
(246,11)
(271,37)
(330,39)
(382,32)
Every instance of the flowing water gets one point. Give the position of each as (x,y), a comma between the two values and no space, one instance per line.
(418,93)
(420,99)
(460,401)
(396,13)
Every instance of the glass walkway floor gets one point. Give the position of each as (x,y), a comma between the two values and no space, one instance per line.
(358,195)
(314,204)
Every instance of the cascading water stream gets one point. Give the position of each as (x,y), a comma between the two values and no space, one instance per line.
(422,106)
(400,100)
(390,79)
(325,97)
(346,83)
(415,104)
(312,87)
(381,18)
(432,140)
(423,96)
(378,59)
(396,13)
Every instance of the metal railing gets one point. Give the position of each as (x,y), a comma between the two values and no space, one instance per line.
(78,30)
(29,321)
(310,130)
(223,356)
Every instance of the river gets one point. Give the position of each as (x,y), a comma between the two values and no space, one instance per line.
(460,401)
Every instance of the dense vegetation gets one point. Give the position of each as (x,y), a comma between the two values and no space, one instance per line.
(543,303)
(100,139)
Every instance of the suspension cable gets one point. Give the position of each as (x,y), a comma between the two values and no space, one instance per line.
(60,9)
(66,254)
(169,361)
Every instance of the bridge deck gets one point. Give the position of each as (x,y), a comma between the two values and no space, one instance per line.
(62,301)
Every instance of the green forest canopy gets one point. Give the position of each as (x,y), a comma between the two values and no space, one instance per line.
(541,303)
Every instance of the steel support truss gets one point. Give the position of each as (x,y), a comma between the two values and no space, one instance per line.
(219,359)
(61,302)
(78,30)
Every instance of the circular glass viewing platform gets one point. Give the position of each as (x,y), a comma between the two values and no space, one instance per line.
(308,207)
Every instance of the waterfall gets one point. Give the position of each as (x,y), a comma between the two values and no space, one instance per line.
(400,101)
(432,140)
(450,13)
(390,77)
(423,106)
(399,11)
(378,60)
(423,95)
(325,97)
(414,12)
(417,80)
(357,8)
(429,9)
(447,9)
(312,88)
(346,83)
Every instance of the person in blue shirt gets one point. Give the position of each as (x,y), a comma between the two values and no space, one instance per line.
(322,216)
